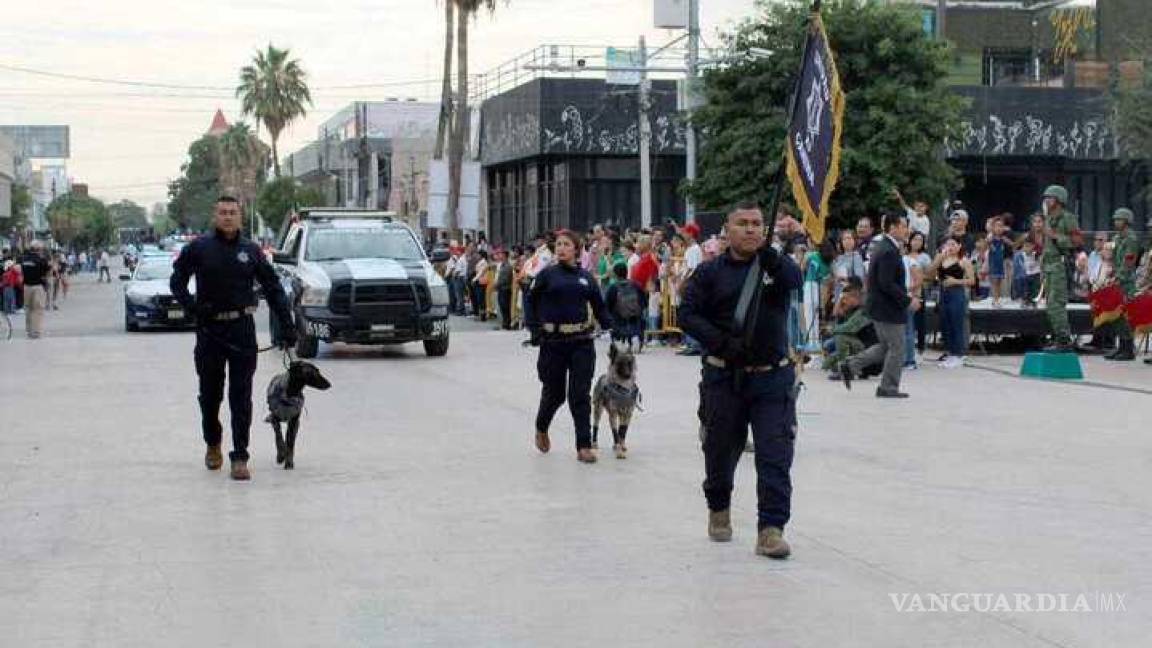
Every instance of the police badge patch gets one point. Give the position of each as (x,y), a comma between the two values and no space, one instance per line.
(242,256)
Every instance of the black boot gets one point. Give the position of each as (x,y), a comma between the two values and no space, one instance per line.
(1125,351)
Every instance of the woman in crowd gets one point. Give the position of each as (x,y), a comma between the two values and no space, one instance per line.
(956,276)
(916,252)
(560,320)
(817,269)
(848,263)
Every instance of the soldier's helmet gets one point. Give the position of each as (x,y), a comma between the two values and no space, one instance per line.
(1124,214)
(1057,192)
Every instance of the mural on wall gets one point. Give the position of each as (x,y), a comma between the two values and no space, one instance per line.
(577,134)
(1071,123)
(1030,135)
(510,136)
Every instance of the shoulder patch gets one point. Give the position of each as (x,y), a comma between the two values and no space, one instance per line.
(242,256)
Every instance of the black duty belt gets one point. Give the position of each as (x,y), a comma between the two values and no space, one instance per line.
(227,316)
(719,363)
(566,329)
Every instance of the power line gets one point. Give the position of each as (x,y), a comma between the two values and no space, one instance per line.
(178,86)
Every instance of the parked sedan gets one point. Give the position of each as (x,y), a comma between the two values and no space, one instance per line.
(148,301)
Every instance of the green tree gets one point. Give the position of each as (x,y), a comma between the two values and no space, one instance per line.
(279,197)
(274,91)
(80,220)
(21,207)
(192,195)
(128,214)
(1133,111)
(898,111)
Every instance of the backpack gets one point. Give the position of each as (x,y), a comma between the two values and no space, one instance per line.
(627,300)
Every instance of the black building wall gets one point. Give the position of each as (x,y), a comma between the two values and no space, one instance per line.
(565,153)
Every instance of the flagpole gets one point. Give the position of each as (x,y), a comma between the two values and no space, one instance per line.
(792,103)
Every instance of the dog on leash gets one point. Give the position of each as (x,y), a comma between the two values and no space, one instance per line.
(286,402)
(616,392)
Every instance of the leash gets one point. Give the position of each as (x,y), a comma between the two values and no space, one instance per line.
(233,347)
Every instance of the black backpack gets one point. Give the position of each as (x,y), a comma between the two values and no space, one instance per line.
(627,300)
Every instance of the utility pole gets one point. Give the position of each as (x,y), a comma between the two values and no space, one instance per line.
(645,139)
(941,15)
(690,132)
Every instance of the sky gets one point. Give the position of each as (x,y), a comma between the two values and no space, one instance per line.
(128,141)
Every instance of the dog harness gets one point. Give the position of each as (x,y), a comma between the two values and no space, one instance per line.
(281,406)
(621,396)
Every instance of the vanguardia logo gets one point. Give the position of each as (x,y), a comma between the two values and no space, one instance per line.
(1091,602)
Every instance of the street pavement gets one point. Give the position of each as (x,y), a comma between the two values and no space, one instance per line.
(419,513)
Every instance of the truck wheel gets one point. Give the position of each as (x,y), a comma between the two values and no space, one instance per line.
(436,348)
(130,325)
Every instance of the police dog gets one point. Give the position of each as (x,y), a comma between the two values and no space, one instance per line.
(286,402)
(616,391)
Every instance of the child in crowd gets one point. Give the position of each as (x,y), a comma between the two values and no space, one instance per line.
(998,247)
(979,261)
(1026,272)
(627,303)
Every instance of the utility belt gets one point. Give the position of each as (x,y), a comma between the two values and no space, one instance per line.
(719,363)
(228,316)
(567,329)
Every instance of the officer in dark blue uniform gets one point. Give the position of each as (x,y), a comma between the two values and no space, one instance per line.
(557,314)
(225,266)
(747,379)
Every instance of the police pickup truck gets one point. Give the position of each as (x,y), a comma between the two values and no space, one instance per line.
(356,276)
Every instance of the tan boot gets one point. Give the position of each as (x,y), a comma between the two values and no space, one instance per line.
(240,470)
(213,458)
(720,526)
(586,455)
(543,443)
(771,543)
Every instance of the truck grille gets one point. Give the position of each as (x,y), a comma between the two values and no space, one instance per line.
(378,298)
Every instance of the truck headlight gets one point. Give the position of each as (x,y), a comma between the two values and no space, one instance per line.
(314,297)
(439,294)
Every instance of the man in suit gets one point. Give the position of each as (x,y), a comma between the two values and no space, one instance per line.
(887,305)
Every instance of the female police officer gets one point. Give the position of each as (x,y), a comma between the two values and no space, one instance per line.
(747,378)
(557,314)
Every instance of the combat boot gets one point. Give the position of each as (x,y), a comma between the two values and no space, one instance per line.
(213,458)
(1125,351)
(771,543)
(1060,345)
(240,470)
(586,455)
(720,525)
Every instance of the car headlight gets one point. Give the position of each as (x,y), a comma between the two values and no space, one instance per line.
(139,299)
(439,294)
(314,297)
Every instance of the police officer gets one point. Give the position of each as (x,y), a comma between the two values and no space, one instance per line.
(557,315)
(1060,226)
(1125,258)
(225,265)
(745,383)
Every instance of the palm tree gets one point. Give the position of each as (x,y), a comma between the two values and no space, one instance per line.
(274,91)
(446,87)
(468,9)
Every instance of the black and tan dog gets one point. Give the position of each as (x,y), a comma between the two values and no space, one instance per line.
(616,391)
(285,403)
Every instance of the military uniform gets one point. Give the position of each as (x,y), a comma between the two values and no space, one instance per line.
(1125,259)
(849,338)
(225,271)
(1054,261)
(763,397)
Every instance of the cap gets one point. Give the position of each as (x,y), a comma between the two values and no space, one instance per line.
(691,229)
(1124,214)
(1057,192)
(958,214)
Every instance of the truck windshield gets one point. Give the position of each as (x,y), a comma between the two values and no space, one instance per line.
(361,243)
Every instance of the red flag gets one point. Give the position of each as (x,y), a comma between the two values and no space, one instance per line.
(1107,305)
(1140,313)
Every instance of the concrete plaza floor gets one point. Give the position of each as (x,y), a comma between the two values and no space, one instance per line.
(420,514)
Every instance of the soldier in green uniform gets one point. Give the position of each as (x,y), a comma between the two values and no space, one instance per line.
(1126,258)
(853,333)
(1059,228)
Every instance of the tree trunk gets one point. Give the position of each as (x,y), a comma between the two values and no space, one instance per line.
(275,155)
(446,86)
(460,127)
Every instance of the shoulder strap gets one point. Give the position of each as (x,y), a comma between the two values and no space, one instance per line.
(747,293)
